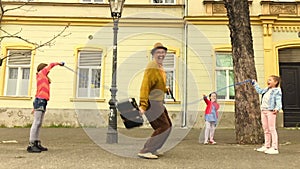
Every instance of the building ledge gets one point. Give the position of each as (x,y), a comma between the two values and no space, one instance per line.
(15,98)
(172,102)
(86,100)
(226,102)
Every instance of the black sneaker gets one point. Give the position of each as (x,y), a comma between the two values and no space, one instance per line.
(32,148)
(39,145)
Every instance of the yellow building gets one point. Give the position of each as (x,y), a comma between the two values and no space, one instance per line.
(199,58)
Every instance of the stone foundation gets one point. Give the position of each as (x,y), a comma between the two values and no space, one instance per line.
(10,117)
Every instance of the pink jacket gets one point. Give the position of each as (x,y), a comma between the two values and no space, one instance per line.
(209,106)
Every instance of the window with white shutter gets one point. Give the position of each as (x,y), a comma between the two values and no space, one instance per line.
(18,72)
(284,0)
(169,66)
(92,1)
(163,1)
(89,74)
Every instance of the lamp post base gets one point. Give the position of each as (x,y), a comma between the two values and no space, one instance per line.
(112,137)
(112,132)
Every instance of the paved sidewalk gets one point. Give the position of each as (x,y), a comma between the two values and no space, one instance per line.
(73,148)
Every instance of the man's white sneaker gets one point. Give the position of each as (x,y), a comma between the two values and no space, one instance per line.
(262,149)
(272,151)
(147,155)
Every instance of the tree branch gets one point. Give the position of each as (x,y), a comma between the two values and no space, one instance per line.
(16,35)
(49,42)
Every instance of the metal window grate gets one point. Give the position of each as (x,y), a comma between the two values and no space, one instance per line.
(90,58)
(19,57)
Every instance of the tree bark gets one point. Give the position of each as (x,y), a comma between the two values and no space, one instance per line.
(248,126)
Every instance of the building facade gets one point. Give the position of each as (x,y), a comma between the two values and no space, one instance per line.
(198,61)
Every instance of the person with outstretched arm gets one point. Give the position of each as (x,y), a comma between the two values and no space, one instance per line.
(39,105)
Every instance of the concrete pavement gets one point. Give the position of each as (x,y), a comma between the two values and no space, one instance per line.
(78,148)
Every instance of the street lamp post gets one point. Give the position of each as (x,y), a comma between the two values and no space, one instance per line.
(116,7)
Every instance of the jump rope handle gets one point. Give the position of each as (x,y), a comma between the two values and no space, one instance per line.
(62,63)
(171,93)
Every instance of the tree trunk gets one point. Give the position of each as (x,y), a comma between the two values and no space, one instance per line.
(248,127)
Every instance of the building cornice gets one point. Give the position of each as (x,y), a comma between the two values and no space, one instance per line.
(275,20)
(90,21)
(282,20)
(216,20)
(93,4)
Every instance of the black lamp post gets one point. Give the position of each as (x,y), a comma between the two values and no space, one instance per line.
(116,7)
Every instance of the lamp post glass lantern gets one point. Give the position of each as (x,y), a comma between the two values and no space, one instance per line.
(116,7)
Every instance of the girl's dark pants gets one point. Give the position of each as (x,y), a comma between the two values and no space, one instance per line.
(160,121)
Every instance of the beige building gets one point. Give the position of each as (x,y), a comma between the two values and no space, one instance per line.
(199,58)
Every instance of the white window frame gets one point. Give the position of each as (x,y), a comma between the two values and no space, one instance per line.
(90,71)
(173,69)
(164,2)
(20,0)
(92,1)
(19,78)
(227,70)
(284,0)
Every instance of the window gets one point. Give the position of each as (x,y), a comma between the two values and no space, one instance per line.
(284,0)
(164,1)
(18,72)
(92,1)
(21,0)
(169,66)
(224,75)
(89,74)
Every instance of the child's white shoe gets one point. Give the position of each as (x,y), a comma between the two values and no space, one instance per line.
(272,151)
(212,142)
(262,149)
(205,143)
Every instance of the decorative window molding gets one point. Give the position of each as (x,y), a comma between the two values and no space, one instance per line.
(216,6)
(92,1)
(284,7)
(163,2)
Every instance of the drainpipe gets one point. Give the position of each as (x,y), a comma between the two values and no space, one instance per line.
(184,113)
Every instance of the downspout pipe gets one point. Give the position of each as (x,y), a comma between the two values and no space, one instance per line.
(184,112)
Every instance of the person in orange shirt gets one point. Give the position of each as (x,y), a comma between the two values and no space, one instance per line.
(39,105)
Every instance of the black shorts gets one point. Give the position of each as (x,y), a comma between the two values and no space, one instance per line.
(40,104)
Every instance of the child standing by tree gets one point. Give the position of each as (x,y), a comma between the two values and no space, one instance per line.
(270,105)
(211,117)
(39,105)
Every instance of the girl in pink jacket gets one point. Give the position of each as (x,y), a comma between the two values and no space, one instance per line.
(211,117)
